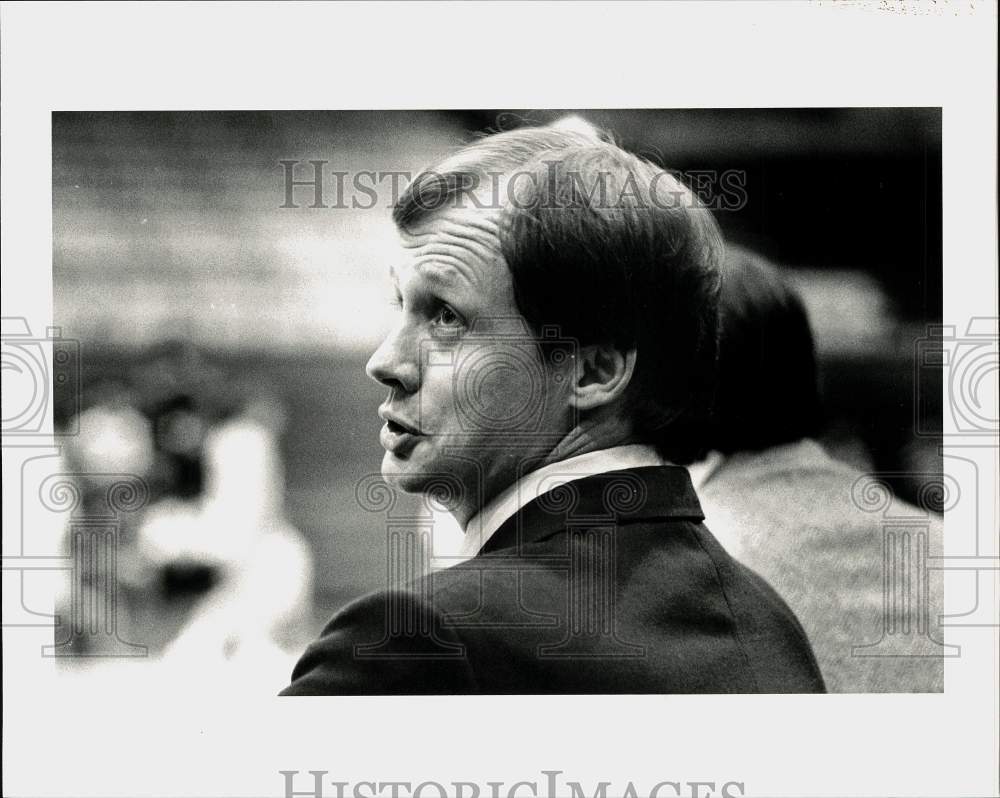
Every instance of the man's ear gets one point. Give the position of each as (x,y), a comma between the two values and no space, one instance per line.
(603,372)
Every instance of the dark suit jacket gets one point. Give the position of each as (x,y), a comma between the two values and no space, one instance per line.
(609,584)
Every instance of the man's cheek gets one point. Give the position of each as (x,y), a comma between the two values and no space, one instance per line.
(497,393)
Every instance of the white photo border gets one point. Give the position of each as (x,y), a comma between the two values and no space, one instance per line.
(159,56)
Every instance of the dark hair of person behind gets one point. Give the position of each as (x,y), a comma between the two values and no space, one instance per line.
(767,392)
(635,266)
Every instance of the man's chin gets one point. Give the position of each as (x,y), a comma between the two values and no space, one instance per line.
(403,474)
(429,476)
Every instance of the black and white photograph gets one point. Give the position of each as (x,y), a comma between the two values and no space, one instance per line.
(349,408)
(636,389)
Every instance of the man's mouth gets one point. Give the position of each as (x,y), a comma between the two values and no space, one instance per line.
(397,436)
(397,428)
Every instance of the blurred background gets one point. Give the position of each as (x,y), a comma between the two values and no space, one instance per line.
(223,334)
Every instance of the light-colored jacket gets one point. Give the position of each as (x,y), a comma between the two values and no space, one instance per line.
(847,556)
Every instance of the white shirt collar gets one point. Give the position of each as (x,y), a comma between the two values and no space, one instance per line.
(486,522)
(702,471)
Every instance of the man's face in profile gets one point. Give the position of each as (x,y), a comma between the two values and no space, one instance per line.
(464,371)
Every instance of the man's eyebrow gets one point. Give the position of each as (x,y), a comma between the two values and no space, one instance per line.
(437,272)
(445,271)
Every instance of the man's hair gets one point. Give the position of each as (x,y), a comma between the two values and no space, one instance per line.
(606,247)
(767,392)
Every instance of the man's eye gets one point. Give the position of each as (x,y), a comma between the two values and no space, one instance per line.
(446,317)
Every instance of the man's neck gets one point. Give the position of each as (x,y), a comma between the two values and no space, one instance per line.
(593,436)
(582,440)
(599,431)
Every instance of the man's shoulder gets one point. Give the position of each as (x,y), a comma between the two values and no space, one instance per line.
(389,641)
(504,620)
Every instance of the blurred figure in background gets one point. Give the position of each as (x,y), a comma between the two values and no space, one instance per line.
(114,438)
(783,507)
(211,571)
(257,614)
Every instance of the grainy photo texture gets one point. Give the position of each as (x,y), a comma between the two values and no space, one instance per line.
(501,401)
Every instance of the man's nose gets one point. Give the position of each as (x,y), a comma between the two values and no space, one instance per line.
(394,364)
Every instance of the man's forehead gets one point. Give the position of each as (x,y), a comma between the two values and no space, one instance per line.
(477,226)
(458,245)
(433,269)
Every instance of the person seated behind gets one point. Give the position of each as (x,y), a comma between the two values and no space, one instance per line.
(548,347)
(782,506)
